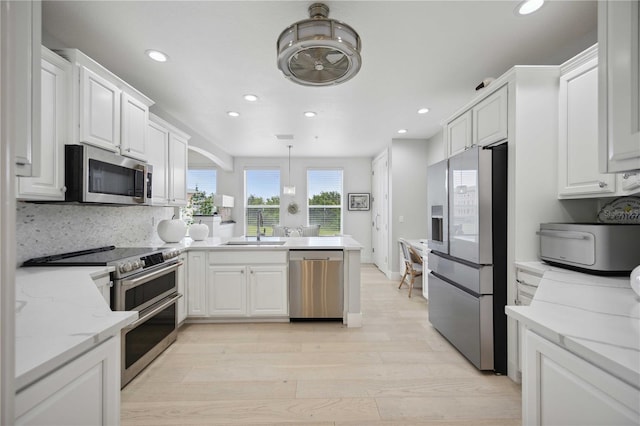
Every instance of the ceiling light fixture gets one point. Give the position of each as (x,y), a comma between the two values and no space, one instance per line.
(402,131)
(527,7)
(156,55)
(319,51)
(233,114)
(289,189)
(423,110)
(250,98)
(310,114)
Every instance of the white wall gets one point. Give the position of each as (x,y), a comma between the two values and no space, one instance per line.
(356,178)
(408,213)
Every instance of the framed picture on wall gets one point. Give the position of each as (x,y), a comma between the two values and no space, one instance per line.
(359,201)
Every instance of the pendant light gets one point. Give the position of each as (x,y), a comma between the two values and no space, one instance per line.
(289,189)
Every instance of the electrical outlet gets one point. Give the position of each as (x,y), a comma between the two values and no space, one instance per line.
(401,219)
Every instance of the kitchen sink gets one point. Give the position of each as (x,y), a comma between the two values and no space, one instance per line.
(254,243)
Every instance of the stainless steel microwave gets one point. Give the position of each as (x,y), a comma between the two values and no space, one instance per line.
(94,175)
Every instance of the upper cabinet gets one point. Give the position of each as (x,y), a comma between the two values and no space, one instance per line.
(55,131)
(107,112)
(168,155)
(483,124)
(619,85)
(20,34)
(578,173)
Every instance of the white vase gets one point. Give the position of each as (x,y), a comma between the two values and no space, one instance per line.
(635,280)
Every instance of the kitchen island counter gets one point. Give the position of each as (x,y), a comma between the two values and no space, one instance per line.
(60,314)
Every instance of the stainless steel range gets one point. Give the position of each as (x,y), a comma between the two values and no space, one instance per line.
(145,280)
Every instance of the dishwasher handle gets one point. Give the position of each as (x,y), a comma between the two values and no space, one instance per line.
(316,255)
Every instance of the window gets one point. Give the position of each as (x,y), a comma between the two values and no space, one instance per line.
(262,193)
(201,186)
(324,189)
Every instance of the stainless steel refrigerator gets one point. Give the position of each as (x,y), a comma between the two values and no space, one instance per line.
(467,197)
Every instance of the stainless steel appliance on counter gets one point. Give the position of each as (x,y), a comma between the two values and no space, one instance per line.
(145,280)
(594,248)
(467,204)
(316,284)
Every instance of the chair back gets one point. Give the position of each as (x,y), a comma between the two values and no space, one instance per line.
(310,231)
(415,256)
(405,252)
(279,231)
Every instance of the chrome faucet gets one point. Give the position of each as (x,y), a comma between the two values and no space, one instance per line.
(260,224)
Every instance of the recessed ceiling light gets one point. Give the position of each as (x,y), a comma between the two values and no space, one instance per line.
(156,55)
(310,114)
(250,98)
(233,114)
(528,6)
(402,131)
(423,110)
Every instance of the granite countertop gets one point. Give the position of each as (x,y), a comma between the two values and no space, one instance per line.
(60,314)
(290,243)
(596,318)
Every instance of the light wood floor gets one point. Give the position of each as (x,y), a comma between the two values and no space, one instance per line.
(395,370)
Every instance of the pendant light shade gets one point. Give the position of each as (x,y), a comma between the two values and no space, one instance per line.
(289,189)
(319,51)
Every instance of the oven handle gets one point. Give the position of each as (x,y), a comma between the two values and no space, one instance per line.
(154,311)
(126,283)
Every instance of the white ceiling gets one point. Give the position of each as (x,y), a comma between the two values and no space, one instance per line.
(415,54)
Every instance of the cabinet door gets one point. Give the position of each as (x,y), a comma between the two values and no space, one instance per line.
(619,85)
(268,290)
(158,158)
(227,290)
(56,79)
(560,388)
(459,134)
(629,183)
(490,119)
(85,391)
(578,172)
(20,40)
(99,111)
(197,284)
(135,116)
(177,170)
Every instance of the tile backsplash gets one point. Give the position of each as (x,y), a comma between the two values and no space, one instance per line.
(46,229)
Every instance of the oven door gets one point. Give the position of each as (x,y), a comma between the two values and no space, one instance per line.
(145,339)
(141,291)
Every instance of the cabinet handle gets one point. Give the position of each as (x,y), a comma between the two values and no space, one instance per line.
(21,163)
(63,189)
(242,271)
(602,184)
(628,175)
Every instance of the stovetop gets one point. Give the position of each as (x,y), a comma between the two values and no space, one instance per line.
(127,260)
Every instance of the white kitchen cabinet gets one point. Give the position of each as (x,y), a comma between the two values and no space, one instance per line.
(135,118)
(20,37)
(268,290)
(619,85)
(483,124)
(178,145)
(182,288)
(490,118)
(55,131)
(227,290)
(247,284)
(107,112)
(168,155)
(560,388)
(578,172)
(85,391)
(197,284)
(99,111)
(104,284)
(459,134)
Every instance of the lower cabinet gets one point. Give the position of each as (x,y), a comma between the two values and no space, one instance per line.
(559,388)
(85,391)
(104,284)
(238,284)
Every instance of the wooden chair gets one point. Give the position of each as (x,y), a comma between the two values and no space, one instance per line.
(412,264)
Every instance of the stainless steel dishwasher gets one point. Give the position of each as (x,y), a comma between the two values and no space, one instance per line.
(316,284)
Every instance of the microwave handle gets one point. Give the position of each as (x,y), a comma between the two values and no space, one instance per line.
(563,234)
